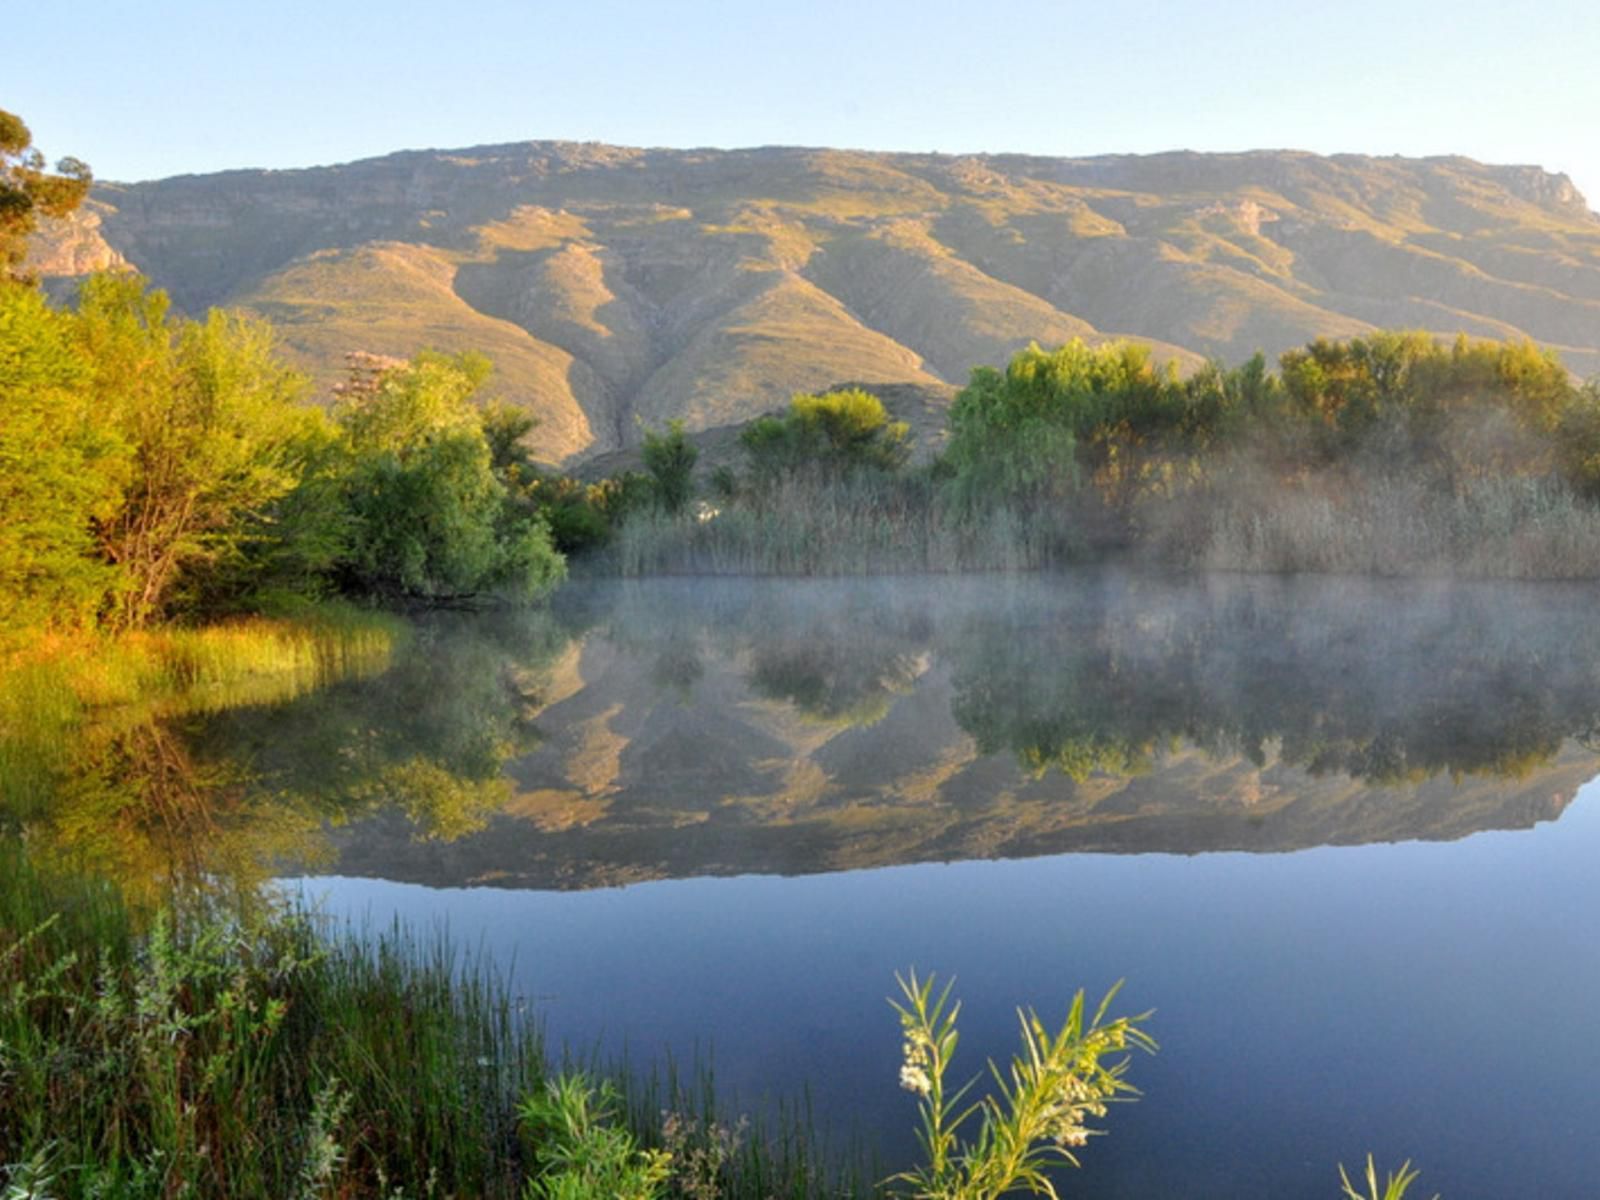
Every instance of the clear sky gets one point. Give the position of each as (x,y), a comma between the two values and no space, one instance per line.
(171,86)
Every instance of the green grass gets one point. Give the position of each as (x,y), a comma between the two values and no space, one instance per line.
(197,1055)
(188,1052)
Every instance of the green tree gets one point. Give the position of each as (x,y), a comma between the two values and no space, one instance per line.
(1055,419)
(836,433)
(429,519)
(670,459)
(1000,450)
(60,471)
(28,190)
(506,427)
(213,425)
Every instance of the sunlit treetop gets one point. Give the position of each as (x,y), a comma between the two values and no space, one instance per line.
(29,190)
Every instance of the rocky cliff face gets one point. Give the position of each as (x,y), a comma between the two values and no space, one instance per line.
(76,246)
(617,287)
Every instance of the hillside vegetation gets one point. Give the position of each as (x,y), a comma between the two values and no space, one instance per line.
(620,287)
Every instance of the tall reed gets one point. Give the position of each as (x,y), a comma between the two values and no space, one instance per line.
(850,526)
(1492,528)
(208,1056)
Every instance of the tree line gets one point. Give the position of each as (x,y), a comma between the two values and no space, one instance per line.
(1391,453)
(154,467)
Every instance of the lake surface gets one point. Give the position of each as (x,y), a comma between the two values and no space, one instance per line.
(1337,835)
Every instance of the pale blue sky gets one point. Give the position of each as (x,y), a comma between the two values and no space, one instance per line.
(171,86)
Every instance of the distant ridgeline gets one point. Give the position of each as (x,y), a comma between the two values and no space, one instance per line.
(619,287)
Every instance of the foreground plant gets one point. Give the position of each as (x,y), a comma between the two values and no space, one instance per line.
(583,1150)
(1394,1186)
(1037,1114)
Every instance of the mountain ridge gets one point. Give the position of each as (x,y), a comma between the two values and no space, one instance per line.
(621,287)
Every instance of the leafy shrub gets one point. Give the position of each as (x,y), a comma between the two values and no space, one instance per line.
(836,433)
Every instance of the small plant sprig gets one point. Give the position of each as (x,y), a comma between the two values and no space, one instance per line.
(582,1150)
(1394,1187)
(1037,1114)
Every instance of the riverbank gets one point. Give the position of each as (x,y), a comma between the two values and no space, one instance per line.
(187,1051)
(189,1041)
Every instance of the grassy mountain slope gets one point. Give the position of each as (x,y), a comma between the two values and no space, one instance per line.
(618,287)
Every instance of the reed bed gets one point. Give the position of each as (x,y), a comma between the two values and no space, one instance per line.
(1505,528)
(844,527)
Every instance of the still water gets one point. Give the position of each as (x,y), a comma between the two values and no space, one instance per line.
(1337,836)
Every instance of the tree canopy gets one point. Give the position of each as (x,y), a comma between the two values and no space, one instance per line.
(833,433)
(429,517)
(153,466)
(29,190)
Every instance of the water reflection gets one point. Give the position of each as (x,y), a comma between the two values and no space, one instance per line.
(828,726)
(1383,684)
(679,728)
(210,796)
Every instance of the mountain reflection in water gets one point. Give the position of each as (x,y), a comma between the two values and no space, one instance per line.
(696,727)
(701,728)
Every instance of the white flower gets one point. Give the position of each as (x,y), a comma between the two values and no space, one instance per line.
(915,1079)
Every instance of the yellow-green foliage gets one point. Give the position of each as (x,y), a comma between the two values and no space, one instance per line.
(137,452)
(1351,387)
(61,470)
(1039,1111)
(210,420)
(1492,443)
(1389,454)
(429,517)
(834,433)
(28,191)
(153,468)
(1029,432)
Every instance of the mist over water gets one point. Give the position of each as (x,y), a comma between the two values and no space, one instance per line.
(726,727)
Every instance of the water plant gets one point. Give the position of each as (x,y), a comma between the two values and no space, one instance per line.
(218,1056)
(1394,1187)
(1038,1112)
